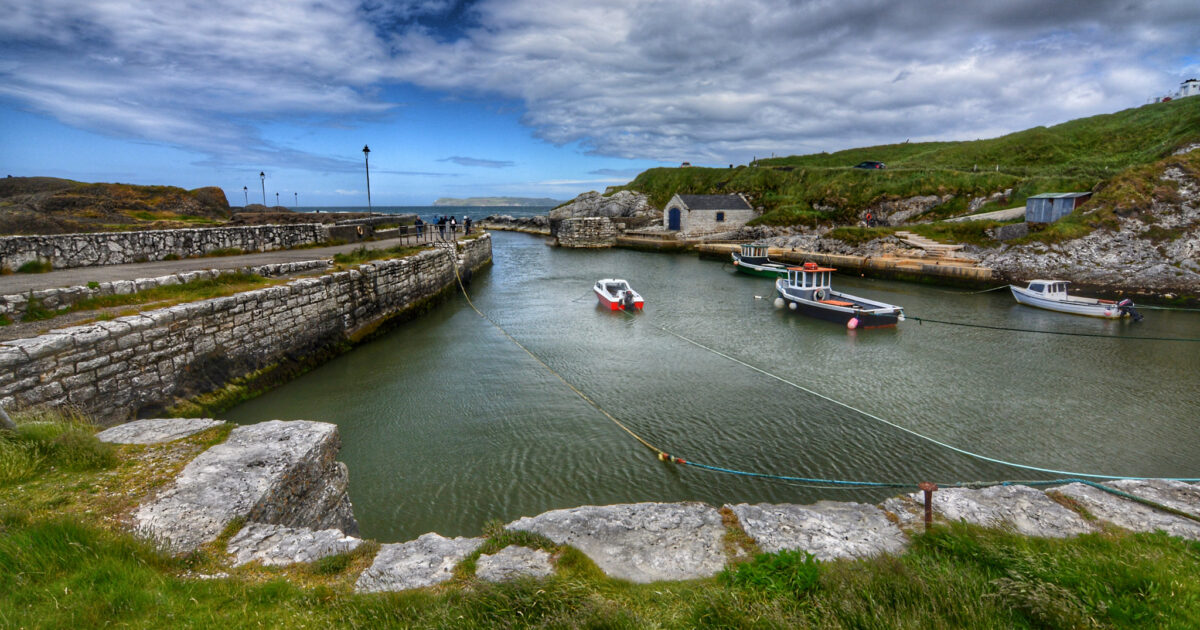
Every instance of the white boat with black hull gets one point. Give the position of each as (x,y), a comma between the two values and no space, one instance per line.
(806,290)
(1052,295)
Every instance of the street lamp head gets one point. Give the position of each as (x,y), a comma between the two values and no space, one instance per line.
(262,174)
(366,149)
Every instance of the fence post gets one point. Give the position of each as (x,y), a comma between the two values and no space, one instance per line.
(928,488)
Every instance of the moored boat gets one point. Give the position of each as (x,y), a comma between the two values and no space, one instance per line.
(617,295)
(806,290)
(753,260)
(1052,295)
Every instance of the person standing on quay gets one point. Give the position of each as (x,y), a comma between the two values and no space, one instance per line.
(453,226)
(420,227)
(467,224)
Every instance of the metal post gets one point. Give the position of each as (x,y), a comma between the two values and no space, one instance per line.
(296,196)
(367,164)
(928,488)
(246,194)
(263,177)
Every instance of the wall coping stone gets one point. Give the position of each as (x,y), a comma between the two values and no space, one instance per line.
(156,430)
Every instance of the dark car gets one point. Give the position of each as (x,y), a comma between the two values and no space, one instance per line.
(870,165)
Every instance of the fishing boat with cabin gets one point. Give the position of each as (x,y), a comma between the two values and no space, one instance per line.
(753,260)
(807,290)
(617,295)
(1052,295)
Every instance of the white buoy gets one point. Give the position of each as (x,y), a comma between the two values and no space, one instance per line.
(792,305)
(900,317)
(778,302)
(852,324)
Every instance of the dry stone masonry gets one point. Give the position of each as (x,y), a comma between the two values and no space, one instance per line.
(63,251)
(114,369)
(587,232)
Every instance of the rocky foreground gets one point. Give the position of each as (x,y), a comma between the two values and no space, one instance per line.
(279,482)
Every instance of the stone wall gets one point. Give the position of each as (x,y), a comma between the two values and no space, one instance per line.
(14,305)
(587,232)
(146,362)
(63,251)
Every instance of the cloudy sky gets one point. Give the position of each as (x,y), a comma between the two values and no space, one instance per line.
(543,97)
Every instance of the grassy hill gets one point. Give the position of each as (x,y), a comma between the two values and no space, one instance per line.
(48,205)
(824,188)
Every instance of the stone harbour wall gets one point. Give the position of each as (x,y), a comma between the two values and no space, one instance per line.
(587,232)
(63,251)
(14,305)
(116,369)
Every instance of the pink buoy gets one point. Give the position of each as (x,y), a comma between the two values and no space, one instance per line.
(852,324)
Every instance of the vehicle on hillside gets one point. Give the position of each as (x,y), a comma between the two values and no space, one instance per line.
(870,164)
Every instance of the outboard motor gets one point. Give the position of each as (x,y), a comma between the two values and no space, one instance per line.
(1125,307)
(627,300)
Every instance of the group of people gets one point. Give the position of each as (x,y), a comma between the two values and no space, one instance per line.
(444,222)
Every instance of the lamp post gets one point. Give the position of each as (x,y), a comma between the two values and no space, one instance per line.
(263,176)
(367,164)
(276,200)
(246,194)
(296,195)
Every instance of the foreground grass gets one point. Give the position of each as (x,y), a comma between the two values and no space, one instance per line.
(65,562)
(363,254)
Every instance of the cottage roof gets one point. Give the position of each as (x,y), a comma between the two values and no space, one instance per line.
(714,202)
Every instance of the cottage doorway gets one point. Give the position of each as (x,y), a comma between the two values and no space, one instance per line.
(673,219)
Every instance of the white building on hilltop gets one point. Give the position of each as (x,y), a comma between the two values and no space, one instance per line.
(1191,87)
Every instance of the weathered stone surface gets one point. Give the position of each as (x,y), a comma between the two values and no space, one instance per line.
(1024,509)
(640,542)
(625,203)
(827,529)
(587,232)
(272,472)
(512,562)
(276,545)
(157,430)
(426,561)
(1129,514)
(1178,495)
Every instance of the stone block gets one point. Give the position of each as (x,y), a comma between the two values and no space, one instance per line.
(276,545)
(274,472)
(426,561)
(1023,509)
(512,562)
(641,542)
(827,529)
(1128,514)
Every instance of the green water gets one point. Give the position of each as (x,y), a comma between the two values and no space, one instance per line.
(446,423)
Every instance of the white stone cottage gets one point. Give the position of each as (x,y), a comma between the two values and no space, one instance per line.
(694,215)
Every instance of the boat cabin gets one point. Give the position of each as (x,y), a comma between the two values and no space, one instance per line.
(1052,289)
(613,287)
(756,253)
(810,277)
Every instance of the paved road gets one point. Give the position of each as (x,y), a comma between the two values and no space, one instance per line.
(26,282)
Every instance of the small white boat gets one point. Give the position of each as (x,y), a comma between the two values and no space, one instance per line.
(617,295)
(1052,295)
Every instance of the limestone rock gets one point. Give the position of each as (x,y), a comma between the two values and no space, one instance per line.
(1129,514)
(827,529)
(274,472)
(625,203)
(425,561)
(640,542)
(1179,495)
(1026,510)
(157,430)
(512,562)
(276,545)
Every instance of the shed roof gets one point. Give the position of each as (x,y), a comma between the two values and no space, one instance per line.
(1059,195)
(714,202)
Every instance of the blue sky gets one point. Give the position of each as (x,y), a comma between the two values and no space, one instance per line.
(542,98)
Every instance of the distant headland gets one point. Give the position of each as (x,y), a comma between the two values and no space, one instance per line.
(542,202)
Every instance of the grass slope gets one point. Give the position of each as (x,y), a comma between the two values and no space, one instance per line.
(825,189)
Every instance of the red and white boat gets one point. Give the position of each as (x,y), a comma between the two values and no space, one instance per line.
(617,295)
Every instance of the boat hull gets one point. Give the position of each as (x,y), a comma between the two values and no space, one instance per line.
(884,317)
(1077,306)
(616,305)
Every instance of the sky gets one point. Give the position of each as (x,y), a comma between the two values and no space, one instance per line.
(543,98)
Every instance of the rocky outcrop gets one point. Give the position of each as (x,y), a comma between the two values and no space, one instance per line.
(426,561)
(641,542)
(1135,516)
(535,223)
(157,430)
(1021,508)
(899,211)
(275,472)
(512,562)
(624,203)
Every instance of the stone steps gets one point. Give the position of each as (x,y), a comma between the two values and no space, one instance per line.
(275,473)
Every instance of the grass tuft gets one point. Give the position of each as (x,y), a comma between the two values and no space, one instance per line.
(363,254)
(794,572)
(51,438)
(35,266)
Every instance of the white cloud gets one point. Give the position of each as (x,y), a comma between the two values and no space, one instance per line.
(714,81)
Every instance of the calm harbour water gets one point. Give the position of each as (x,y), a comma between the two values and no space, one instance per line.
(446,423)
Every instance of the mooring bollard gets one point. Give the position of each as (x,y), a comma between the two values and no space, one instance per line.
(928,487)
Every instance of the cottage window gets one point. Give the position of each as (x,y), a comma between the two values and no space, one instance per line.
(720,217)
